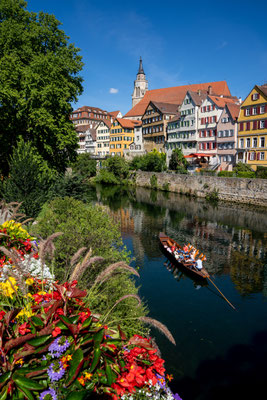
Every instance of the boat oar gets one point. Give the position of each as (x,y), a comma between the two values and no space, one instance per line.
(222,294)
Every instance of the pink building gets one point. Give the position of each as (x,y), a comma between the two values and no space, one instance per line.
(227,136)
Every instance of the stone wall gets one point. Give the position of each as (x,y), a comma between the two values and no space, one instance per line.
(240,190)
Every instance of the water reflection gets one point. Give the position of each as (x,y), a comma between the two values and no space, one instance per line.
(231,236)
(217,350)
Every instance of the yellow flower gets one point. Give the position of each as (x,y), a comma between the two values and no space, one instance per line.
(87,375)
(27,312)
(9,287)
(20,361)
(29,281)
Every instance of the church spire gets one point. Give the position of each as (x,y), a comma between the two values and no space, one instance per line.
(141,69)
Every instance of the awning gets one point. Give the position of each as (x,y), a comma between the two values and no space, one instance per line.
(195,155)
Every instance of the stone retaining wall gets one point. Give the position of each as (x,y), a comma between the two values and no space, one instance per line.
(240,190)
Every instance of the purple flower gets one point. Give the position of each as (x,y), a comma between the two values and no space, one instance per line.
(177,397)
(48,395)
(58,347)
(55,371)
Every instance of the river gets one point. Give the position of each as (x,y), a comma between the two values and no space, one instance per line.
(220,353)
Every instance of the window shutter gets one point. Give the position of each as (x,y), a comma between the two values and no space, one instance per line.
(259,124)
(266,123)
(248,126)
(252,97)
(254,124)
(258,110)
(258,156)
(241,126)
(202,121)
(249,156)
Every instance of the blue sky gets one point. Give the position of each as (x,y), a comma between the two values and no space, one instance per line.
(181,42)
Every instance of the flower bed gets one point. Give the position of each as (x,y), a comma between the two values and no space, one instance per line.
(53,347)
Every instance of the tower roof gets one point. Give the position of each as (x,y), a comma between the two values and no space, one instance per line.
(141,69)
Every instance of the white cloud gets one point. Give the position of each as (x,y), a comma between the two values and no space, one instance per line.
(113,90)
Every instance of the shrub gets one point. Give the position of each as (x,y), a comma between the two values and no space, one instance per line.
(82,225)
(84,165)
(261,172)
(71,185)
(153,182)
(118,166)
(226,173)
(213,196)
(246,174)
(106,177)
(153,161)
(178,162)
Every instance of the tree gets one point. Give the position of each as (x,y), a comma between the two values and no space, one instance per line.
(85,166)
(178,162)
(29,179)
(39,78)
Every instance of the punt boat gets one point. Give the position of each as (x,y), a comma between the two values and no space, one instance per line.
(166,241)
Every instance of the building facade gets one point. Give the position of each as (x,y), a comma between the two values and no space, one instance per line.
(183,129)
(252,128)
(86,139)
(121,135)
(154,124)
(89,116)
(102,138)
(227,137)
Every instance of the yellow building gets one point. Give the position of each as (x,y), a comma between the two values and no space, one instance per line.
(252,128)
(121,135)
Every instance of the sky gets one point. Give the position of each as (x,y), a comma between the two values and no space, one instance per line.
(180,42)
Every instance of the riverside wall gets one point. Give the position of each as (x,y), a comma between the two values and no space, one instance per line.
(238,190)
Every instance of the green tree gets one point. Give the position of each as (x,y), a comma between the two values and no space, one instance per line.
(177,161)
(118,166)
(29,179)
(84,165)
(39,78)
(152,161)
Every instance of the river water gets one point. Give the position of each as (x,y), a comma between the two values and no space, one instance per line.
(220,353)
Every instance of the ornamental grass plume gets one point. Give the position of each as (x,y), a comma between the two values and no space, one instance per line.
(81,267)
(161,327)
(111,269)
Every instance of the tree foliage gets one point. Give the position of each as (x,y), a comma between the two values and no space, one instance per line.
(177,161)
(29,179)
(39,78)
(153,161)
(84,165)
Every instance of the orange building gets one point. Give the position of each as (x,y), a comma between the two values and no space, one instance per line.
(121,135)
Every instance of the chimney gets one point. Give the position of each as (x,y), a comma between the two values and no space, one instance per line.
(209,90)
(240,100)
(199,92)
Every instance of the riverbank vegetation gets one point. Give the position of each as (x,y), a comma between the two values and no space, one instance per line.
(56,345)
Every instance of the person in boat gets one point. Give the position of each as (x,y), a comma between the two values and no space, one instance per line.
(198,264)
(185,248)
(173,248)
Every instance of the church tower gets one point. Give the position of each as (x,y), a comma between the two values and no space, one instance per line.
(140,85)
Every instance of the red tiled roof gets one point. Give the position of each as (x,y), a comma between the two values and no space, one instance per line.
(263,89)
(166,108)
(234,110)
(128,123)
(222,101)
(114,113)
(175,95)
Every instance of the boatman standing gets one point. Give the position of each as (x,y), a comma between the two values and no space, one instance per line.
(199,265)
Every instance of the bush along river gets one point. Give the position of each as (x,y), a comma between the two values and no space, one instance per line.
(220,352)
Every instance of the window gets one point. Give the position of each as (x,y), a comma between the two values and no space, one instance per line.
(254,142)
(262,156)
(262,124)
(248,142)
(254,110)
(255,96)
(241,143)
(262,109)
(262,142)
(247,111)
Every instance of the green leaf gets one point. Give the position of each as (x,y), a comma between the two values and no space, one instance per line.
(3,394)
(5,377)
(97,354)
(37,321)
(38,341)
(26,393)
(87,323)
(79,395)
(28,383)
(75,365)
(98,337)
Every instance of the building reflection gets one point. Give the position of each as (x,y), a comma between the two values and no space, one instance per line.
(233,238)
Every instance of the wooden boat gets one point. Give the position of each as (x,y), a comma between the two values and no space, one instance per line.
(165,242)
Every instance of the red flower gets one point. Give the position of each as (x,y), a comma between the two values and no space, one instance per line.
(2,313)
(56,331)
(23,329)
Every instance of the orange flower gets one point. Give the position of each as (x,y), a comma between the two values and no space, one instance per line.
(23,329)
(169,377)
(81,380)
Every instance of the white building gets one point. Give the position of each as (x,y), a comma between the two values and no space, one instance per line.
(102,138)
